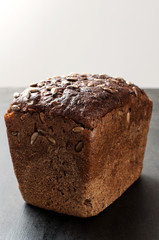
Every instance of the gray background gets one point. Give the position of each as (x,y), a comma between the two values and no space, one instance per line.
(40,38)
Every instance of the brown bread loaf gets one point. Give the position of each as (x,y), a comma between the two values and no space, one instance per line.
(77,141)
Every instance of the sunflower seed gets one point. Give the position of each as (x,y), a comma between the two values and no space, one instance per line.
(27,94)
(51,131)
(16,95)
(83,78)
(31,110)
(120,113)
(102,76)
(121,79)
(57,77)
(33,90)
(113,80)
(108,89)
(115,90)
(72,74)
(84,75)
(79,146)
(128,117)
(128,82)
(30,103)
(77,129)
(54,91)
(14,133)
(33,85)
(72,86)
(42,132)
(40,84)
(94,75)
(65,82)
(42,117)
(101,85)
(54,80)
(49,88)
(51,140)
(15,108)
(96,79)
(90,84)
(34,137)
(135,91)
(72,79)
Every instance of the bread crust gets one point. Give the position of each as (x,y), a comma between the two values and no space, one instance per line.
(80,97)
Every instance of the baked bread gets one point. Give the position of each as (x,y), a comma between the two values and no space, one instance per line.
(77,141)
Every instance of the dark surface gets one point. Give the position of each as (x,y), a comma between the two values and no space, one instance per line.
(135,215)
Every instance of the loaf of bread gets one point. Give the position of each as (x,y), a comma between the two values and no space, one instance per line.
(77,141)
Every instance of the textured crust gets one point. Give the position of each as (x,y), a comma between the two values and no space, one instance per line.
(71,168)
(83,98)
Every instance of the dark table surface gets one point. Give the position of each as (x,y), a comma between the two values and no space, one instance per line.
(135,215)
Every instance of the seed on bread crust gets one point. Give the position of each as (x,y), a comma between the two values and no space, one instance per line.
(108,89)
(42,117)
(135,91)
(72,74)
(65,82)
(77,129)
(34,89)
(34,137)
(53,90)
(16,95)
(49,88)
(72,79)
(101,85)
(30,102)
(15,108)
(33,84)
(128,117)
(128,82)
(79,146)
(52,140)
(121,79)
(72,86)
(113,80)
(42,132)
(97,79)
(40,84)
(90,84)
(102,76)
(27,94)
(51,131)
(14,133)
(120,113)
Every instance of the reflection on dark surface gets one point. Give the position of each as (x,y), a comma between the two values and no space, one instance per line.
(130,217)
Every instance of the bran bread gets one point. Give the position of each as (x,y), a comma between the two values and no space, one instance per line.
(77,141)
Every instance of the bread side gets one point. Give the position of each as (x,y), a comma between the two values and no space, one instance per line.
(117,147)
(52,166)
